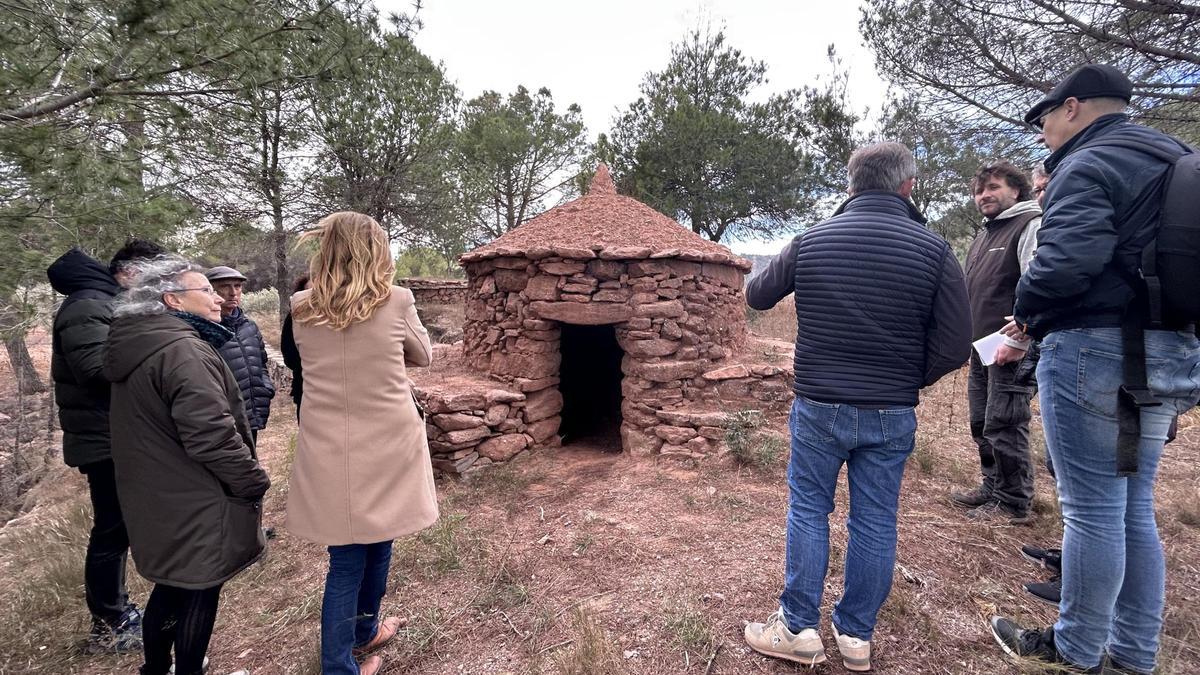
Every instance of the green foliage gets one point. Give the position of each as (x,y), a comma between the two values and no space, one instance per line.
(423,261)
(748,443)
(512,154)
(701,147)
(988,61)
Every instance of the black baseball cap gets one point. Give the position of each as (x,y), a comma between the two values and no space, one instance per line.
(1095,80)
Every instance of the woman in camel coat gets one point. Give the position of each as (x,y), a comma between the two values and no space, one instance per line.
(362,474)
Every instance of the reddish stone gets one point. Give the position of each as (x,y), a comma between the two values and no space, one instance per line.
(495,396)
(733,372)
(646,268)
(669,308)
(724,274)
(574,252)
(574,297)
(531,366)
(712,433)
(684,418)
(643,298)
(668,293)
(445,403)
(562,268)
(542,430)
(698,444)
(456,421)
(590,314)
(640,323)
(675,435)
(543,404)
(683,269)
(665,372)
(528,385)
(511,263)
(477,310)
(625,253)
(637,415)
(615,295)
(543,334)
(671,330)
(496,414)
(511,281)
(503,448)
(575,287)
(458,466)
(542,287)
(651,347)
(467,435)
(638,443)
(524,344)
(606,269)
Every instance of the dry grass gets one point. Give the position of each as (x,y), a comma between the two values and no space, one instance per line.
(581,561)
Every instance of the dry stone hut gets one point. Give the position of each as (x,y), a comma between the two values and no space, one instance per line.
(614,323)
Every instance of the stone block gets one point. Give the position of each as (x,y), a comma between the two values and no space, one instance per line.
(542,430)
(510,263)
(495,396)
(467,435)
(456,421)
(674,435)
(626,253)
(682,418)
(645,268)
(665,309)
(543,404)
(538,324)
(496,414)
(667,371)
(615,295)
(455,466)
(446,403)
(562,268)
(531,366)
(732,372)
(511,281)
(590,314)
(651,347)
(639,443)
(528,385)
(502,448)
(606,269)
(712,433)
(683,269)
(725,275)
(542,287)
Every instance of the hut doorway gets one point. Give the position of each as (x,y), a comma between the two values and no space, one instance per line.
(590,383)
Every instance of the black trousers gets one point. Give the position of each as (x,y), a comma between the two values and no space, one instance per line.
(1000,414)
(182,619)
(108,547)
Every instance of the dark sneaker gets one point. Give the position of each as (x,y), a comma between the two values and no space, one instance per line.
(977,497)
(1049,558)
(1032,643)
(124,638)
(994,511)
(1047,591)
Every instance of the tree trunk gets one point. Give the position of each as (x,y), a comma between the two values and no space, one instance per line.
(282,283)
(28,380)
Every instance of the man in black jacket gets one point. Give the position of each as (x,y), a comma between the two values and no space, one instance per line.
(1103,206)
(882,311)
(999,393)
(246,353)
(82,394)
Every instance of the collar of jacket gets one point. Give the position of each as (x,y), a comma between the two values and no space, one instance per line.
(1028,206)
(232,321)
(881,200)
(210,331)
(1099,127)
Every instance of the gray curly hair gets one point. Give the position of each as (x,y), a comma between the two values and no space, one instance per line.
(155,276)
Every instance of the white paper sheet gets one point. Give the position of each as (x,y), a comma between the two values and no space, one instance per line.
(986,347)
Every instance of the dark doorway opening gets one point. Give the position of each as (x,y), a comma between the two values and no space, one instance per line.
(591,385)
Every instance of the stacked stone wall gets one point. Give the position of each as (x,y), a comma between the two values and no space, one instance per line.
(436,291)
(679,322)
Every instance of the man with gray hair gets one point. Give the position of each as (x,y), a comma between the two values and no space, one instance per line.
(882,311)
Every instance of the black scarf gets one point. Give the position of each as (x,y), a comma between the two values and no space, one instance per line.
(210,331)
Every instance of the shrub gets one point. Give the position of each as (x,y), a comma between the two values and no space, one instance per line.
(749,443)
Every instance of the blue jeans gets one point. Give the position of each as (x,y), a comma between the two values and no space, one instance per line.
(873,444)
(1113,573)
(354,588)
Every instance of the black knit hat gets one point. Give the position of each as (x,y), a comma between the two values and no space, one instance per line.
(1095,80)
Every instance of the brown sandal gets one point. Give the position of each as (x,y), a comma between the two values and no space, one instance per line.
(383,634)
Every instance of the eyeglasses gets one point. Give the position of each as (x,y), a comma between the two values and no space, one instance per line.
(1040,122)
(206,289)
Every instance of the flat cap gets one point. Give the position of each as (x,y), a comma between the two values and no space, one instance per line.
(221,273)
(1095,80)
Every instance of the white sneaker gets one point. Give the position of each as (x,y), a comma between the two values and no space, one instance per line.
(856,653)
(774,639)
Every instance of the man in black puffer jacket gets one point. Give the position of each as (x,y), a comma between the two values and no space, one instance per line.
(245,353)
(882,312)
(82,394)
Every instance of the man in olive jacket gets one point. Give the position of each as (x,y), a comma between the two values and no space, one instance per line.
(82,395)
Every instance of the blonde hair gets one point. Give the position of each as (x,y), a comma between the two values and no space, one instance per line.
(350,274)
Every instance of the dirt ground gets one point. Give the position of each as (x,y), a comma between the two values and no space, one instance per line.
(579,560)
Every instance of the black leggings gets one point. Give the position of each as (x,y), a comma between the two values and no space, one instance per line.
(179,618)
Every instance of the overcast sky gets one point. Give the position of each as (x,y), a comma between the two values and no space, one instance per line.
(596,54)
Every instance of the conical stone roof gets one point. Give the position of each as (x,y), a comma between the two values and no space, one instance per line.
(604,224)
